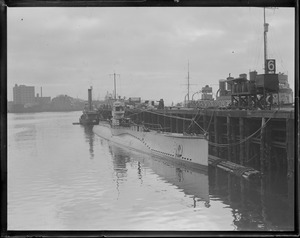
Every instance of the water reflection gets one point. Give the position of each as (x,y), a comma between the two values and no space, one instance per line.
(25,137)
(90,137)
(120,158)
(192,182)
(25,132)
(139,170)
(254,206)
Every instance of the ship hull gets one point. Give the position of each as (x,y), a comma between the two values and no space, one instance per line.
(183,149)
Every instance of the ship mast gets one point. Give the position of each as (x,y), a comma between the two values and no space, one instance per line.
(115,86)
(266,25)
(188,84)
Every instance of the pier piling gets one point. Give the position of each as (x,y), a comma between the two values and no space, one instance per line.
(290,145)
(262,146)
(216,135)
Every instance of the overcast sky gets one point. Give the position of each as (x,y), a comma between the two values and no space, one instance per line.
(67,50)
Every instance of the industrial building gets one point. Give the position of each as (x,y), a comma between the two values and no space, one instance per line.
(23,94)
(261,91)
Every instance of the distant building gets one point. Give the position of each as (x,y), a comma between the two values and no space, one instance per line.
(23,94)
(42,100)
(24,101)
(65,103)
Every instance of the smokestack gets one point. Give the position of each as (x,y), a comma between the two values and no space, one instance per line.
(41,92)
(90,98)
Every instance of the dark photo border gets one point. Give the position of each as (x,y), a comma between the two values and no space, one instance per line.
(5,4)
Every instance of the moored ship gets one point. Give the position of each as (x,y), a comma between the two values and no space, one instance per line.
(188,149)
(89,116)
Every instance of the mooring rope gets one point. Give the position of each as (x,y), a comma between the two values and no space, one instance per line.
(210,120)
(194,121)
(244,140)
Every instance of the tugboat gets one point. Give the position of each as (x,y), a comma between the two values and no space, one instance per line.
(90,116)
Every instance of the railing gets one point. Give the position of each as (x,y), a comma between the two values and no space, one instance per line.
(153,126)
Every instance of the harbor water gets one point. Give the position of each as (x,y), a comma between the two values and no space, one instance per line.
(64,177)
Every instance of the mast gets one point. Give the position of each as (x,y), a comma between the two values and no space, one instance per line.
(266,25)
(115,86)
(188,84)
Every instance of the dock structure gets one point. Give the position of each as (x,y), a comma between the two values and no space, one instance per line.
(260,139)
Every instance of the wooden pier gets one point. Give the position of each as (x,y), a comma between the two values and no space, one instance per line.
(260,139)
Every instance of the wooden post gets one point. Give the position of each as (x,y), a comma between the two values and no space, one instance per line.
(151,118)
(242,145)
(228,138)
(263,199)
(216,181)
(177,124)
(183,124)
(247,143)
(138,118)
(164,121)
(233,141)
(268,145)
(290,146)
(146,117)
(171,124)
(276,159)
(243,193)
(135,117)
(230,187)
(216,149)
(262,146)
